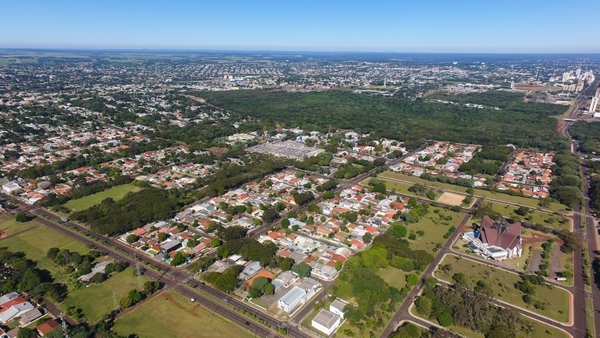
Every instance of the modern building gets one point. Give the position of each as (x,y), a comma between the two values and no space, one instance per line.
(326,322)
(593,104)
(337,307)
(496,240)
(292,299)
(11,187)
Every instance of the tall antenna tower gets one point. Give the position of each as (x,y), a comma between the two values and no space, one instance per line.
(63,323)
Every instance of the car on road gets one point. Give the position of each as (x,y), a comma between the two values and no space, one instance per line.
(247,323)
(192,300)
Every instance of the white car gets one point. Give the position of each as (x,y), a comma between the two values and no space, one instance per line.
(192,299)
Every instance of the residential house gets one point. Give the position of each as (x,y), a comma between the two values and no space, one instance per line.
(326,321)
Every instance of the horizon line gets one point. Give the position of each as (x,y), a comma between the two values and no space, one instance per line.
(242,50)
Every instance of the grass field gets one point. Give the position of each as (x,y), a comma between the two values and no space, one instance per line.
(502,284)
(530,202)
(394,277)
(10,226)
(102,294)
(434,227)
(115,193)
(540,217)
(35,244)
(172,315)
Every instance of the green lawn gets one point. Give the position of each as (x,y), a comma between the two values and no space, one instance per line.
(35,244)
(434,227)
(394,277)
(102,294)
(116,193)
(530,202)
(10,226)
(540,217)
(178,317)
(502,284)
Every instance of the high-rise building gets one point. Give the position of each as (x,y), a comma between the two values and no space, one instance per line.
(594,104)
(595,99)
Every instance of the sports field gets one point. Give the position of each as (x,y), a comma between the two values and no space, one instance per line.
(171,315)
(115,193)
(451,198)
(489,195)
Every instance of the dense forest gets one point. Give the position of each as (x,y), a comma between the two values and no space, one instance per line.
(133,211)
(525,125)
(502,100)
(588,135)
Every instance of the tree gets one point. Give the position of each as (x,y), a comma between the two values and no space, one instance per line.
(412,279)
(286,264)
(125,303)
(424,306)
(233,232)
(22,217)
(445,319)
(135,296)
(338,265)
(398,230)
(285,223)
(367,238)
(151,287)
(178,259)
(302,269)
(25,333)
(459,279)
(98,278)
(412,202)
(131,239)
(269,289)
(52,252)
(162,236)
(501,331)
(215,242)
(270,215)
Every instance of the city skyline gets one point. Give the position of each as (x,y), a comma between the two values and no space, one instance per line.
(459,27)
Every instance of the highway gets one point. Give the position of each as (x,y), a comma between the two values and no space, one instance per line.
(179,280)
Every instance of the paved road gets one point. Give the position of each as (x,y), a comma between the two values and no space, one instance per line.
(593,251)
(169,276)
(403,313)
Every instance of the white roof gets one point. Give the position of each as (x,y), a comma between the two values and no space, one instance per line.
(293,295)
(8,297)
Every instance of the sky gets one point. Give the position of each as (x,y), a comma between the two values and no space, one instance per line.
(457,26)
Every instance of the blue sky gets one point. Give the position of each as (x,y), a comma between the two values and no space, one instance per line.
(326,25)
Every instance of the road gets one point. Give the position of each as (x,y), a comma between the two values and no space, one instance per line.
(403,313)
(179,280)
(593,249)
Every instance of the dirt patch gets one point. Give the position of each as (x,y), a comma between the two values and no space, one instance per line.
(451,198)
(177,304)
(535,238)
